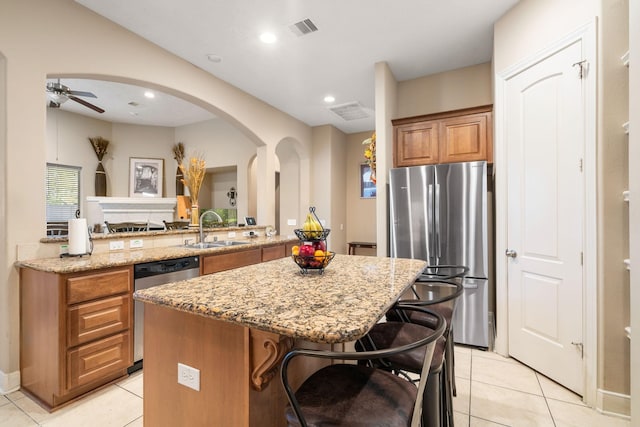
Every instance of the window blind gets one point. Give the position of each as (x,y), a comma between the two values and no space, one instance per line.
(63,192)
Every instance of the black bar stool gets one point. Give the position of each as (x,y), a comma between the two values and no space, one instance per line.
(405,326)
(361,395)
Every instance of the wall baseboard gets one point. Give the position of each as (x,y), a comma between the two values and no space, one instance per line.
(616,404)
(9,382)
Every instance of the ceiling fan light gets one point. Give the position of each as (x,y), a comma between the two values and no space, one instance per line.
(58,98)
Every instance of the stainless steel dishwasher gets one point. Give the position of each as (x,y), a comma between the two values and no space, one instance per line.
(150,274)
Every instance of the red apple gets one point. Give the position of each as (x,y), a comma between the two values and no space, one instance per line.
(306,250)
(320,245)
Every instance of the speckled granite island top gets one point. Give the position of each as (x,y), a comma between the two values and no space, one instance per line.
(340,305)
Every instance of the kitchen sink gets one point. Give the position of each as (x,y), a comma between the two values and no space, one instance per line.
(218,244)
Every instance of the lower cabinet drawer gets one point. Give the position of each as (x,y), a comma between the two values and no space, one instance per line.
(93,320)
(93,286)
(91,362)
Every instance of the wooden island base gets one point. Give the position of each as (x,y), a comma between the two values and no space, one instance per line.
(239,371)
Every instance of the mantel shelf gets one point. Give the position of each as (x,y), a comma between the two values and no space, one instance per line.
(152,210)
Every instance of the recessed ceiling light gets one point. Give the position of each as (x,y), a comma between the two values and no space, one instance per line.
(149,94)
(214,58)
(268,38)
(329,99)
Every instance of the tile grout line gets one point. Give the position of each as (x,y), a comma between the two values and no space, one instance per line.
(546,402)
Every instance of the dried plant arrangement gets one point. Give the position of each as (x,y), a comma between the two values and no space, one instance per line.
(178,152)
(99,145)
(193,176)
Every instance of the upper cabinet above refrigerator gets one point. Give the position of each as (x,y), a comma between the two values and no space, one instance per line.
(448,137)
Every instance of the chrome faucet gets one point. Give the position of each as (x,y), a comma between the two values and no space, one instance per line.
(202,236)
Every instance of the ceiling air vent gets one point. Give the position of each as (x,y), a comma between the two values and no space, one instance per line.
(303,27)
(350,111)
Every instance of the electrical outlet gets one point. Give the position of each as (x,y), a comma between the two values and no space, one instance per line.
(231,234)
(64,249)
(245,233)
(189,377)
(291,222)
(116,245)
(135,243)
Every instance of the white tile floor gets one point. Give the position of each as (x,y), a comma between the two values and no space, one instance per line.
(492,391)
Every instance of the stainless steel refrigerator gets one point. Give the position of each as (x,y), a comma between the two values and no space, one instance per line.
(438,213)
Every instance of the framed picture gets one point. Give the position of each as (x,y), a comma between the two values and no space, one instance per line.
(367,187)
(145,177)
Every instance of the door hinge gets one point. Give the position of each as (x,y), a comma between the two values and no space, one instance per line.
(580,347)
(581,164)
(583,68)
(581,258)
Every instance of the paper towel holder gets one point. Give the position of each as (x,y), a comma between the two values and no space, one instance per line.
(88,247)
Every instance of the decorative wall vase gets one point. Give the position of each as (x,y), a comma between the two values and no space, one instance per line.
(101,181)
(179,183)
(100,145)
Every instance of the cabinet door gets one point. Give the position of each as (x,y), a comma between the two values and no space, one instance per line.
(465,138)
(273,252)
(215,263)
(98,360)
(416,144)
(97,319)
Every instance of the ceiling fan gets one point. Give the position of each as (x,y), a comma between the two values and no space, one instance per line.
(59,94)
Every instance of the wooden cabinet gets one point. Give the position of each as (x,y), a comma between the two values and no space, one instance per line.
(270,253)
(453,136)
(227,261)
(241,258)
(75,332)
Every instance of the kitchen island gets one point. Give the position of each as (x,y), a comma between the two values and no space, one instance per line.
(235,326)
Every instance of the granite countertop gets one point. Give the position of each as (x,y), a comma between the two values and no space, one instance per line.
(128,257)
(340,305)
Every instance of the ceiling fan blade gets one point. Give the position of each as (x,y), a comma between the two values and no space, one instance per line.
(86,104)
(80,93)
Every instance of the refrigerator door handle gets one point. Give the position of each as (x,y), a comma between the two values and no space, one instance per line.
(431,229)
(437,221)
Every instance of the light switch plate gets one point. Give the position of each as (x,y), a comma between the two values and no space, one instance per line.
(116,245)
(291,222)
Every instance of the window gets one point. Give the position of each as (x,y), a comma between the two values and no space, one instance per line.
(63,197)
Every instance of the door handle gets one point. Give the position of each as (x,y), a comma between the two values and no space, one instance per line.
(511,253)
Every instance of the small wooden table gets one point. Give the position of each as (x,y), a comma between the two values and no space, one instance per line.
(354,245)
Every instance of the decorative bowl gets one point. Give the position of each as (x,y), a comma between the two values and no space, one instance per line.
(310,236)
(313,262)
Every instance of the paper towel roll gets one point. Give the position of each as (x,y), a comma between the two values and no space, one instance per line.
(78,234)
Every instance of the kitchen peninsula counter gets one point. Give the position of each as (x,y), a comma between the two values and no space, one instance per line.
(235,326)
(134,256)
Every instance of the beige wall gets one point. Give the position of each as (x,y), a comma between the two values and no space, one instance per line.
(525,30)
(328,183)
(35,49)
(450,90)
(361,213)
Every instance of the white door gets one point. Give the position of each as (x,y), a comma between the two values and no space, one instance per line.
(544,122)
